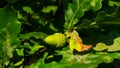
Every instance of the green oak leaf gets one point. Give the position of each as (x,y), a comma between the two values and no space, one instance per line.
(38,35)
(104,19)
(115,46)
(110,48)
(20,52)
(100,47)
(71,60)
(33,48)
(89,60)
(77,8)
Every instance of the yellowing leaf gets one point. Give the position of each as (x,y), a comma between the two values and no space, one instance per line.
(75,42)
(74,45)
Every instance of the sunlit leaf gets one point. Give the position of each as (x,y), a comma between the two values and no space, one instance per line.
(35,48)
(49,9)
(19,63)
(27,9)
(114,47)
(100,47)
(20,52)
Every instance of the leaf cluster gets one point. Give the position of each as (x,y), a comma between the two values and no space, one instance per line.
(24,24)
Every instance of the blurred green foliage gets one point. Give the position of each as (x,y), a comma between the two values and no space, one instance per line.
(24,24)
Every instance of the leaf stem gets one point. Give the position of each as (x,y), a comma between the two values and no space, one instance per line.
(69,26)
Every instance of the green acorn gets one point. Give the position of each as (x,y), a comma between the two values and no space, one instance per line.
(56,40)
